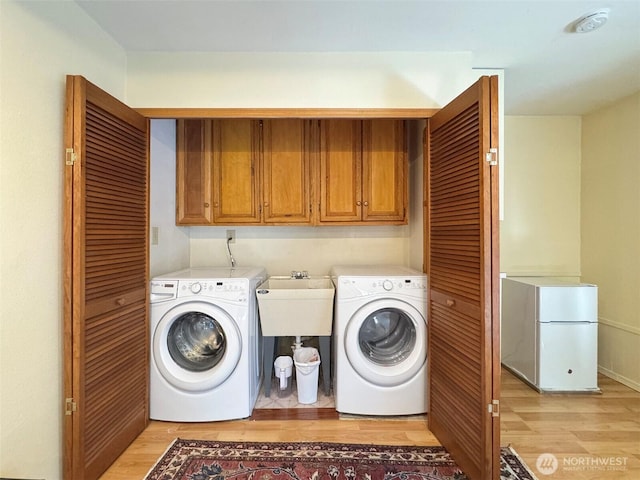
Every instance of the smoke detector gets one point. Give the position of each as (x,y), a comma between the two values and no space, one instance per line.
(591,21)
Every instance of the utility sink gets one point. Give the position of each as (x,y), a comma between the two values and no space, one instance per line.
(296,306)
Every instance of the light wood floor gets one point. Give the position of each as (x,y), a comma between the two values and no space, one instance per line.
(582,431)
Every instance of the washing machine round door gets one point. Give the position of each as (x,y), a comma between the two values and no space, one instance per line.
(386,342)
(196,346)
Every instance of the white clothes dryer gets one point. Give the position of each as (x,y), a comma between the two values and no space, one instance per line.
(380,340)
(205,349)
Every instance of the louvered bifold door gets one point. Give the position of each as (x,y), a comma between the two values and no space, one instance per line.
(462,253)
(106,265)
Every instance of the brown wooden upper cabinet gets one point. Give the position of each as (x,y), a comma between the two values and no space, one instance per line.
(286,170)
(363,171)
(217,172)
(245,171)
(236,171)
(193,173)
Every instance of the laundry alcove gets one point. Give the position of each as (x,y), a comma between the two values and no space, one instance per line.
(106,370)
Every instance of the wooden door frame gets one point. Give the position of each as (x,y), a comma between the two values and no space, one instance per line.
(69,428)
(495,268)
(310,113)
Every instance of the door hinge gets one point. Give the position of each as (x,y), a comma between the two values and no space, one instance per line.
(70,156)
(494,408)
(492,156)
(69,406)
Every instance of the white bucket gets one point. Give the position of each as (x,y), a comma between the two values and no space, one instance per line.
(307,360)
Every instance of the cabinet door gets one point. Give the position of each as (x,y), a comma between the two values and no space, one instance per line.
(193,172)
(235,176)
(384,165)
(286,171)
(340,170)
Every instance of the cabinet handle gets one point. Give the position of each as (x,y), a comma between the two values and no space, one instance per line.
(366,204)
(266,204)
(450,303)
(121,301)
(358,203)
(206,205)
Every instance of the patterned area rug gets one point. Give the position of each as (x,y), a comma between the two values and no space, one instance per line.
(213,460)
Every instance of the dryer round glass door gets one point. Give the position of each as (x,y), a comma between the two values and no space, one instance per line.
(196,346)
(386,342)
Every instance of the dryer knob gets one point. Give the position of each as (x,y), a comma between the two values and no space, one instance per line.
(196,287)
(387,285)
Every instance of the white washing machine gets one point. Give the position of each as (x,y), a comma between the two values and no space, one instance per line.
(205,349)
(380,340)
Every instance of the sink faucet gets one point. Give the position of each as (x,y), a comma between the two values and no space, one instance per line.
(299,275)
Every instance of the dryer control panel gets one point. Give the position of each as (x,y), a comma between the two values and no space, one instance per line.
(391,284)
(365,286)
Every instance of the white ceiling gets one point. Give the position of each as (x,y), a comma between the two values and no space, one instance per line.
(548,69)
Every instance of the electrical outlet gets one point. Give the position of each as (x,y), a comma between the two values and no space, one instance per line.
(154,235)
(231,234)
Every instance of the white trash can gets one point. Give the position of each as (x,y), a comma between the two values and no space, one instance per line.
(307,360)
(283,369)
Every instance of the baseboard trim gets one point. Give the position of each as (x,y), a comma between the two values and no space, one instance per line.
(619,378)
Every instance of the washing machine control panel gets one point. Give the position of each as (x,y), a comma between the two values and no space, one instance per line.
(161,291)
(223,288)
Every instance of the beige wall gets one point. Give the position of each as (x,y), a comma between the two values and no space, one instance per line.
(416,194)
(171,252)
(40,42)
(315,249)
(611,232)
(540,233)
(297,80)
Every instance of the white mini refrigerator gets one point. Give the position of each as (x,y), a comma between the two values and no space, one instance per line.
(550,333)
